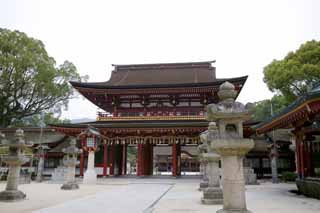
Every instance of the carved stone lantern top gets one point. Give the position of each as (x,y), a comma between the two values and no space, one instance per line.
(229,115)
(71,153)
(228,108)
(16,148)
(72,149)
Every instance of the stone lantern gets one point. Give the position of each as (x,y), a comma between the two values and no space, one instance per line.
(42,149)
(70,161)
(91,139)
(203,167)
(14,159)
(213,193)
(231,145)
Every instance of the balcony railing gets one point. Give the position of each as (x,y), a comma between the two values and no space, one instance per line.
(108,117)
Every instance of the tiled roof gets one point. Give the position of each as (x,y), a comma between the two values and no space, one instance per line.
(282,116)
(159,74)
(175,73)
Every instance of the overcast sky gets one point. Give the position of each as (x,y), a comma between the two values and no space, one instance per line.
(242,36)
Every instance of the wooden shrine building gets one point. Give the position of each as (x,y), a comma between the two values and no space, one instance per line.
(303,118)
(148,105)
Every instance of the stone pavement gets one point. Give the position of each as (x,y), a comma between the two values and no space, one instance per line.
(146,195)
(263,198)
(133,198)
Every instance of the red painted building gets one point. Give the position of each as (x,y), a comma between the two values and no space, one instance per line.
(148,105)
(303,118)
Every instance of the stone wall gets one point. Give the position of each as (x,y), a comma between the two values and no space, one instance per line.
(309,187)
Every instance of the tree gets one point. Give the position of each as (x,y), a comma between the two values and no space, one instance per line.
(297,73)
(262,110)
(30,81)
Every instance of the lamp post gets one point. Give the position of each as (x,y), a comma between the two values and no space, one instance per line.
(92,139)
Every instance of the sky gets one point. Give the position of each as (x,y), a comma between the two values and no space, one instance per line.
(242,36)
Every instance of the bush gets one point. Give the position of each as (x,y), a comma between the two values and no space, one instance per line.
(289,176)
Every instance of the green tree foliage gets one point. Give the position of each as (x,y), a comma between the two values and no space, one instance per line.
(290,78)
(30,81)
(297,73)
(263,108)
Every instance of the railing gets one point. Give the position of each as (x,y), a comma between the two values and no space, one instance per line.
(158,117)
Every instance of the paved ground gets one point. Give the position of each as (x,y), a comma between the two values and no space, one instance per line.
(132,195)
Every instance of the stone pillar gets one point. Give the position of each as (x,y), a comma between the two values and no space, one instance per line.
(213,193)
(273,161)
(40,168)
(249,176)
(233,184)
(41,155)
(203,163)
(70,182)
(204,181)
(13,178)
(90,176)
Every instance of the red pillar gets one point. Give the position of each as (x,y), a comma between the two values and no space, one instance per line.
(81,163)
(178,159)
(112,160)
(151,160)
(145,159)
(105,160)
(120,160)
(81,159)
(174,159)
(302,159)
(299,150)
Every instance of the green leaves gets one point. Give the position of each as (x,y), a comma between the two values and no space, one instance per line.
(297,73)
(266,108)
(30,82)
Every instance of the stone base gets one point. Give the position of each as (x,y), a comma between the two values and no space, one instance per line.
(9,195)
(249,176)
(309,187)
(233,211)
(203,185)
(90,177)
(70,186)
(212,196)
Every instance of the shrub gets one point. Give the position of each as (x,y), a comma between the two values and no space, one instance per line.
(289,176)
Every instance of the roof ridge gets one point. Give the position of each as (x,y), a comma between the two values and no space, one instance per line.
(191,62)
